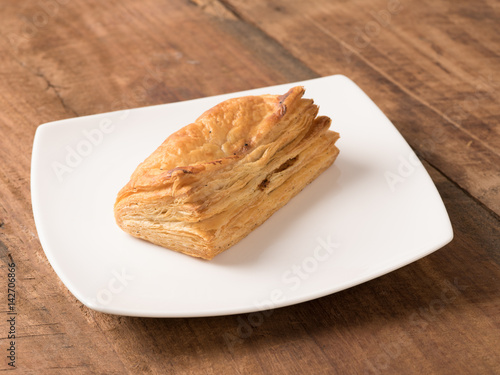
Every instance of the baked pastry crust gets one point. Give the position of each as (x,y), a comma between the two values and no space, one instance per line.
(212,182)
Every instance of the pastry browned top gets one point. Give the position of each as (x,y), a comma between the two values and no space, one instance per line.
(218,138)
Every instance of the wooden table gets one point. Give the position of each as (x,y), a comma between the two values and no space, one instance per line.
(432,66)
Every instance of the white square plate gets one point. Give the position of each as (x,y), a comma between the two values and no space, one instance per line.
(375,210)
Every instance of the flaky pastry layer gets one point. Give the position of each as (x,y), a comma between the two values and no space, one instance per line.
(212,182)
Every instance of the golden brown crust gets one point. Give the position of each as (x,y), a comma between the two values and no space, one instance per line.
(211,183)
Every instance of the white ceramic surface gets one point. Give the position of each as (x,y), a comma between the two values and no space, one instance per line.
(375,210)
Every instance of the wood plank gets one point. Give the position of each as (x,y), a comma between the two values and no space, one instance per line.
(431,67)
(160,53)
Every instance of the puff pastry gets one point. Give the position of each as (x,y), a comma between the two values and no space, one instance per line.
(212,182)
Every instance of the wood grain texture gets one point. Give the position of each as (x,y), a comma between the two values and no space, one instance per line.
(433,69)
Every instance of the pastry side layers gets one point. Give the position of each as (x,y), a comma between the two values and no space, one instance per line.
(214,181)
